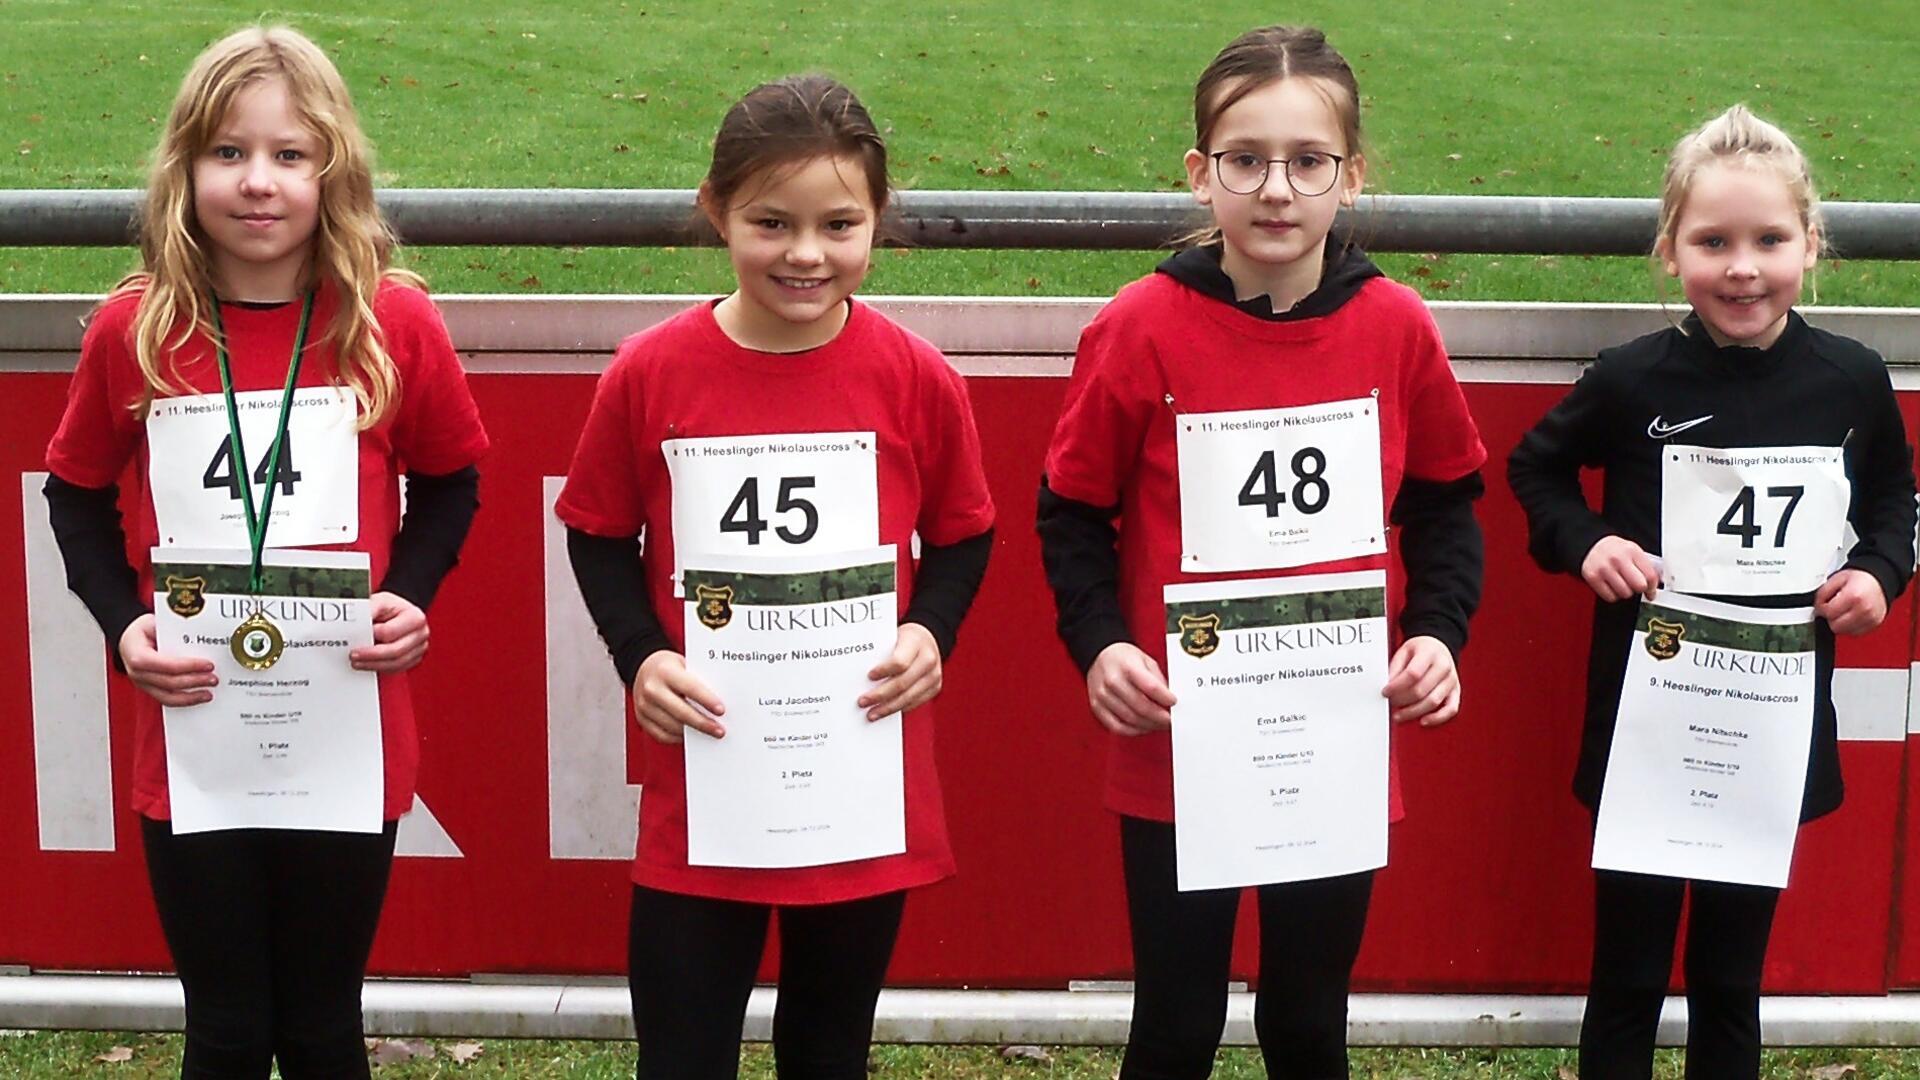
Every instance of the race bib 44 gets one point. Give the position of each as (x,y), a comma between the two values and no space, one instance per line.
(196,491)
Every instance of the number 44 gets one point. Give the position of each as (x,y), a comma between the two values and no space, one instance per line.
(220,472)
(1742,506)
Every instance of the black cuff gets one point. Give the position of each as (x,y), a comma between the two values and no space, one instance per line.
(1576,542)
(1447,632)
(440,510)
(945,584)
(613,582)
(1888,575)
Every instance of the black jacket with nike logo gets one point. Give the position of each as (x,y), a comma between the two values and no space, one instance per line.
(1810,388)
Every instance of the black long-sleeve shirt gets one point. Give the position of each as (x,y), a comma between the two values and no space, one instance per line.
(1810,388)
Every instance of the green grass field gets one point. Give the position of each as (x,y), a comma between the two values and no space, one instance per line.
(154,1057)
(1473,96)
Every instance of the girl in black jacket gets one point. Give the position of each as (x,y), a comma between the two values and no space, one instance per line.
(1740,226)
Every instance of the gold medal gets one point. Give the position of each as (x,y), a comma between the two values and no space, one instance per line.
(257,643)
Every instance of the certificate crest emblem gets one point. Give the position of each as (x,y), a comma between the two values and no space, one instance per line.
(1199,634)
(184,596)
(714,605)
(1663,638)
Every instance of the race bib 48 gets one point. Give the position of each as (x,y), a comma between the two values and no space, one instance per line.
(1263,489)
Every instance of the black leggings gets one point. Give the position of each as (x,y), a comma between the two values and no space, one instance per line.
(1636,917)
(1182,950)
(270,931)
(691,961)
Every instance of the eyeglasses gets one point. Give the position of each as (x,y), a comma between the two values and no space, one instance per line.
(1308,174)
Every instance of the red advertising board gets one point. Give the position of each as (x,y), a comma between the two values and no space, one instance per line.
(514,863)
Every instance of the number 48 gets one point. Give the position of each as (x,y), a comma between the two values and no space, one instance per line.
(1310,491)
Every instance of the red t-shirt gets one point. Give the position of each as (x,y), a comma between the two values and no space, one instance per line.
(435,429)
(685,378)
(1161,348)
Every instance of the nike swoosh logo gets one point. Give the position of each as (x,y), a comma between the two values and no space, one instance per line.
(1658,429)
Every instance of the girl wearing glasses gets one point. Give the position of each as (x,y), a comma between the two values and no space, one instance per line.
(1260,316)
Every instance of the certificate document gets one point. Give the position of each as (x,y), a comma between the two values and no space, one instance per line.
(802,778)
(1709,758)
(1280,733)
(291,739)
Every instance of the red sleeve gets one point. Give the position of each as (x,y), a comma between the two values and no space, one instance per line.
(954,502)
(437,429)
(1442,441)
(98,432)
(1103,422)
(602,494)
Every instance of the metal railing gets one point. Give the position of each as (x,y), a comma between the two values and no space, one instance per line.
(1084,220)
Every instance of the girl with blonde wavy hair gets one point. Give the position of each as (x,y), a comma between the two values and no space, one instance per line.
(260,226)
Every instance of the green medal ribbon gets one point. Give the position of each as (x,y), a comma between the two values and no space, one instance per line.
(257,522)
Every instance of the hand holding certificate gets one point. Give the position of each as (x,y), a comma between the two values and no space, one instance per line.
(290,738)
(1709,757)
(802,777)
(1280,732)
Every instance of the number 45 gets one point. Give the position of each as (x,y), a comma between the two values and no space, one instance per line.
(743,513)
(1745,528)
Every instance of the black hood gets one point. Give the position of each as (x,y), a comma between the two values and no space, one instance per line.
(1345,269)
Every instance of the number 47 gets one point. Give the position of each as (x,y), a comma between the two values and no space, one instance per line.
(1745,528)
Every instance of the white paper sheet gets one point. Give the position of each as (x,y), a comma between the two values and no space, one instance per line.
(1280,735)
(293,746)
(802,778)
(1709,757)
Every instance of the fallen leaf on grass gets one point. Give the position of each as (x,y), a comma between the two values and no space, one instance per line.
(1037,1054)
(1565,1072)
(116,1055)
(395,1051)
(464,1052)
(1833,1072)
